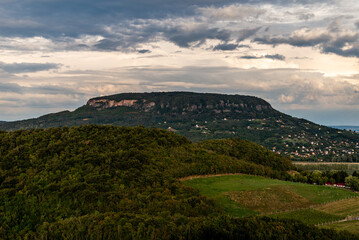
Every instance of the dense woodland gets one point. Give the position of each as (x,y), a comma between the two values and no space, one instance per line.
(107,182)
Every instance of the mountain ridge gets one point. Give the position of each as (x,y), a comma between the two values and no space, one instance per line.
(201,116)
(187,100)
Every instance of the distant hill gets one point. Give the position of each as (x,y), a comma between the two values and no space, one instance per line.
(202,116)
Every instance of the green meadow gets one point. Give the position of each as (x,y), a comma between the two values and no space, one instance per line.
(244,195)
(351,226)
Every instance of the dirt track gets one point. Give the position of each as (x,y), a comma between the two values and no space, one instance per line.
(208,175)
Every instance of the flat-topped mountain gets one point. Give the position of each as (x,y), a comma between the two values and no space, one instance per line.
(201,116)
(183,103)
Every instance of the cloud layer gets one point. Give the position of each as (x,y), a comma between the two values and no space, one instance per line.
(300,55)
(27,67)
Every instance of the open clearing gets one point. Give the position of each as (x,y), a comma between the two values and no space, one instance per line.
(352,226)
(244,195)
(269,200)
(343,207)
(309,216)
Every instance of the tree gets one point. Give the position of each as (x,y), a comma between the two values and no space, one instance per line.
(352,182)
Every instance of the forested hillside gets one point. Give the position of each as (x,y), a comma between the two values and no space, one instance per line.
(107,182)
(199,116)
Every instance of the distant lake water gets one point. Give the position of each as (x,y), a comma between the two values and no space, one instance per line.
(353,128)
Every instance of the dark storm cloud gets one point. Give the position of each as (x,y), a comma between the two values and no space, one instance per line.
(27,67)
(225,47)
(249,57)
(301,15)
(125,25)
(335,39)
(185,37)
(143,51)
(298,40)
(246,33)
(306,16)
(180,34)
(349,52)
(273,57)
(108,44)
(74,18)
(229,46)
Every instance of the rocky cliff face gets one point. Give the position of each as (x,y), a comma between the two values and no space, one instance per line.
(192,102)
(101,104)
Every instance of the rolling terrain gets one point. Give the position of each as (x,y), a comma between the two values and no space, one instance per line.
(108,182)
(200,116)
(351,226)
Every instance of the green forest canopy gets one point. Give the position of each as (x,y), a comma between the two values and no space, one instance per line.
(94,182)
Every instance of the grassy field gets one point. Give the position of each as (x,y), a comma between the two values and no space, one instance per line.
(269,200)
(352,226)
(243,195)
(327,166)
(309,216)
(343,208)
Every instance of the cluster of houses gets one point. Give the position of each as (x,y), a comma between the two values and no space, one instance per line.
(318,147)
(338,185)
(300,145)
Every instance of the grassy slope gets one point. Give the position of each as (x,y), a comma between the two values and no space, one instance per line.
(343,207)
(309,216)
(218,189)
(352,226)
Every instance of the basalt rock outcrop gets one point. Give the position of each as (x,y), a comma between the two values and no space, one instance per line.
(183,103)
(101,104)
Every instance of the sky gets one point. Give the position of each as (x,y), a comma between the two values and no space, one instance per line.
(302,56)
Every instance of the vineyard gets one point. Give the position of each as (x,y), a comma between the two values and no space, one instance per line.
(244,195)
